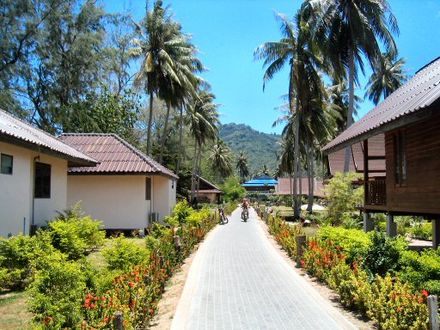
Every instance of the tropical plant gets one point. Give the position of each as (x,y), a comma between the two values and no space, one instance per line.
(388,75)
(159,39)
(242,166)
(349,31)
(221,159)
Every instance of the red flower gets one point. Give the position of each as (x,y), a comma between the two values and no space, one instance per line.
(130,284)
(425,293)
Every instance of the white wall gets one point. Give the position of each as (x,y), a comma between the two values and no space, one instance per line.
(117,200)
(164,195)
(16,191)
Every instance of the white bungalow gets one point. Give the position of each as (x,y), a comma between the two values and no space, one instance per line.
(33,175)
(126,190)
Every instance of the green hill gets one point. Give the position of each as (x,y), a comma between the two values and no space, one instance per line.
(261,148)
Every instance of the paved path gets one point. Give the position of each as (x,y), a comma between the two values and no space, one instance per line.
(239,280)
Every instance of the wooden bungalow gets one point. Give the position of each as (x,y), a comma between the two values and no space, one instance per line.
(409,119)
(208,192)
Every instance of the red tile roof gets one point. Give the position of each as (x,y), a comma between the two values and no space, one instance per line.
(18,132)
(419,93)
(114,154)
(283,187)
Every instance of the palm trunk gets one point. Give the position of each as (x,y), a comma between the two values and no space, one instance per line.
(297,178)
(350,107)
(181,150)
(194,173)
(164,133)
(150,123)
(310,180)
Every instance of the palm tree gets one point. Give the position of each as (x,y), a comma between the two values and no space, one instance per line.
(159,38)
(202,120)
(242,166)
(388,75)
(220,157)
(350,30)
(177,93)
(305,85)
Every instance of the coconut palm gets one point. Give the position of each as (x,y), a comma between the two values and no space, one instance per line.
(220,158)
(177,93)
(202,121)
(305,84)
(159,40)
(349,31)
(242,166)
(388,75)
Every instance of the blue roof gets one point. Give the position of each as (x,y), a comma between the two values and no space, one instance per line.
(261,182)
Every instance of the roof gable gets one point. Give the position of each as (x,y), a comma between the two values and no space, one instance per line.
(16,131)
(419,93)
(115,155)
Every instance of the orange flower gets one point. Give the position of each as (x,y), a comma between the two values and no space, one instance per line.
(425,293)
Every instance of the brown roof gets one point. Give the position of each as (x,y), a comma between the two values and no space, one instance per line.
(16,131)
(376,147)
(283,187)
(206,185)
(114,154)
(209,191)
(403,106)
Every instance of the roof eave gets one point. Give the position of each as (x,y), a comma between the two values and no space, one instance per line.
(399,122)
(75,161)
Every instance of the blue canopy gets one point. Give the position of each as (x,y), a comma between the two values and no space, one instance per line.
(263,181)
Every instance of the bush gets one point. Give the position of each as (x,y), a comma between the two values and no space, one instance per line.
(421,231)
(383,254)
(342,198)
(394,305)
(19,256)
(74,234)
(285,234)
(422,270)
(180,214)
(57,294)
(124,254)
(354,243)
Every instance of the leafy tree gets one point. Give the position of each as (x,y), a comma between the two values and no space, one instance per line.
(388,75)
(242,166)
(104,113)
(343,198)
(232,189)
(348,31)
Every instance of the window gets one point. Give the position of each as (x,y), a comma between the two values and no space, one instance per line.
(42,180)
(6,164)
(400,158)
(147,189)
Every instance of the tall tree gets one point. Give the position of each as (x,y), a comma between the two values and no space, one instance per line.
(351,30)
(388,75)
(157,35)
(242,166)
(220,158)
(202,120)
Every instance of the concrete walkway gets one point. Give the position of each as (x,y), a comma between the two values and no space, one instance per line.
(239,280)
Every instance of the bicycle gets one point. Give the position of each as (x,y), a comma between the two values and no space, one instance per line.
(223,218)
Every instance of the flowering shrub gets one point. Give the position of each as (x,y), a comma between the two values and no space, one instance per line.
(284,233)
(394,305)
(124,254)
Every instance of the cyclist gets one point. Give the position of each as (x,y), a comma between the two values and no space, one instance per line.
(245,209)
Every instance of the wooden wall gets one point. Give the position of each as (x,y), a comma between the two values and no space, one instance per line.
(421,192)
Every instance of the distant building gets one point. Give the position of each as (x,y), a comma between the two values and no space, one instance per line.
(285,187)
(208,192)
(262,183)
(409,120)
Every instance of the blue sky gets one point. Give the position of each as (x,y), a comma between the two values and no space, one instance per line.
(226,33)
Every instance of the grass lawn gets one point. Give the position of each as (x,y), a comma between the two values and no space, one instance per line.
(13,311)
(283,211)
